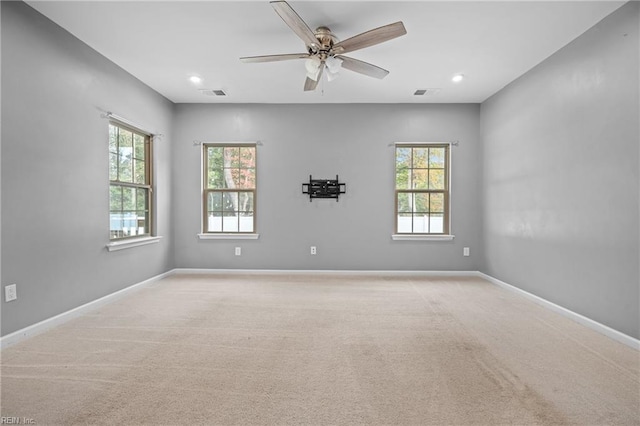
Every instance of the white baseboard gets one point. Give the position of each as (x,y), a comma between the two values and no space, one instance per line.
(325,272)
(42,326)
(581,319)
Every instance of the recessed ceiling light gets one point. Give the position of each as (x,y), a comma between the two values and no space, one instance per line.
(195,79)
(457,78)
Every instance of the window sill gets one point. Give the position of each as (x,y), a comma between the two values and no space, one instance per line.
(133,242)
(419,237)
(229,236)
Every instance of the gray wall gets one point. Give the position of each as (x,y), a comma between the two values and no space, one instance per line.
(325,140)
(55,198)
(560,147)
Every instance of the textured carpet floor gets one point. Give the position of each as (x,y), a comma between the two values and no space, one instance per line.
(321,349)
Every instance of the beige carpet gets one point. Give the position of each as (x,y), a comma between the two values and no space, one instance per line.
(310,349)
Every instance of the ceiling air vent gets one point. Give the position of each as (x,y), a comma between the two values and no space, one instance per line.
(423,92)
(213,92)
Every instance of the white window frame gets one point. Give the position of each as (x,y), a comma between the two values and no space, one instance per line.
(216,235)
(126,241)
(447,235)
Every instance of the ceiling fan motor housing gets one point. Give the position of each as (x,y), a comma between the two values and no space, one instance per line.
(326,38)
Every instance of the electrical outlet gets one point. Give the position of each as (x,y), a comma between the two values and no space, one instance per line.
(10,293)
(238,251)
(313,250)
(465,251)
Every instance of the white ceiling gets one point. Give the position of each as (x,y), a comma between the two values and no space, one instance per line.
(163,43)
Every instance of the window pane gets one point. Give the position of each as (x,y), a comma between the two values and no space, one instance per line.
(128,199)
(116,224)
(436,203)
(232,157)
(403,158)
(230,223)
(115,198)
(138,146)
(215,179)
(420,179)
(246,222)
(142,223)
(125,138)
(129,224)
(436,223)
(421,203)
(404,222)
(235,176)
(113,138)
(214,157)
(140,175)
(436,158)
(214,201)
(243,178)
(402,178)
(245,200)
(215,164)
(113,166)
(230,205)
(420,156)
(141,199)
(436,179)
(214,221)
(247,157)
(228,179)
(125,165)
(421,223)
(404,202)
(247,178)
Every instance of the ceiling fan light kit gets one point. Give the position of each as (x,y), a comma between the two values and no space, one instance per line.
(325,51)
(313,67)
(333,64)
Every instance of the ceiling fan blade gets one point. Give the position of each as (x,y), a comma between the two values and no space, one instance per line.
(310,84)
(362,67)
(295,22)
(274,58)
(370,38)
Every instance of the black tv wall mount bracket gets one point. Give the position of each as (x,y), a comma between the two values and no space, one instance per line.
(324,188)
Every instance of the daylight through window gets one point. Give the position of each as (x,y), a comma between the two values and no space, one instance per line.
(422,189)
(129,182)
(229,188)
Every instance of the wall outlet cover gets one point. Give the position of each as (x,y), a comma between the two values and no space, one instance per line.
(10,293)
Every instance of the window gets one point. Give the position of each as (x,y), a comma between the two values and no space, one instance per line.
(229,195)
(129,182)
(422,189)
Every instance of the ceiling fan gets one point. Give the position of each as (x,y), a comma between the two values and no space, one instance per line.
(325,51)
